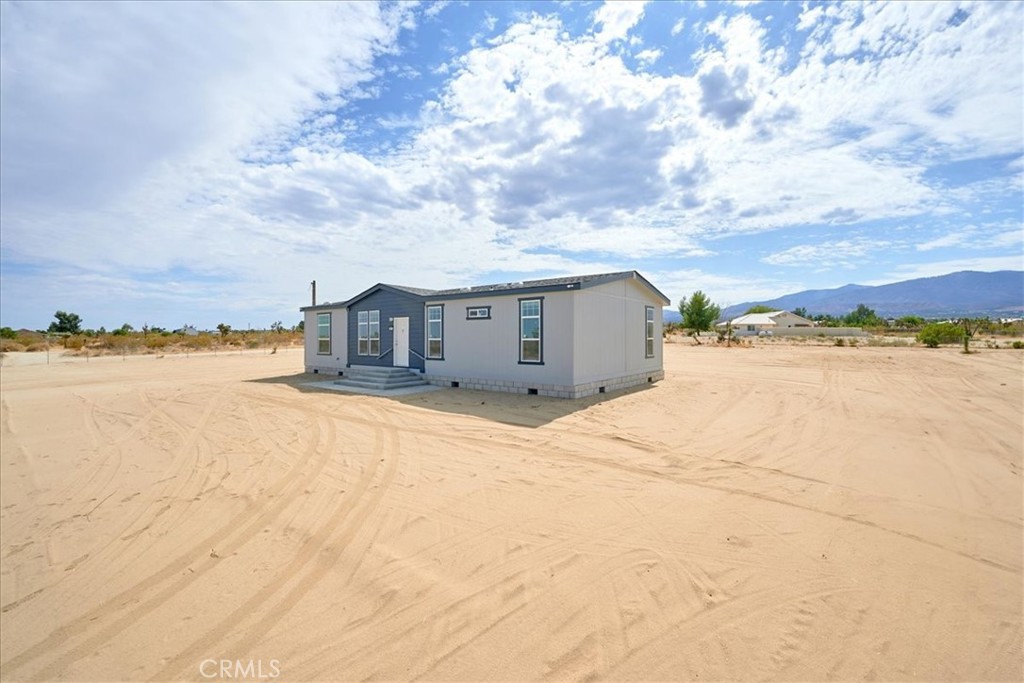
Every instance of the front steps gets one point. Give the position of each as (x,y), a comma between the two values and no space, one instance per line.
(380,378)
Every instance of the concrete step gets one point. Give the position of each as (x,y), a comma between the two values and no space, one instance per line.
(381,386)
(381,378)
(371,371)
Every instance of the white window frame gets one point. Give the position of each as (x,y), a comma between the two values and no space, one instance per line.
(368,333)
(540,331)
(363,333)
(374,329)
(320,336)
(478,313)
(649,332)
(439,308)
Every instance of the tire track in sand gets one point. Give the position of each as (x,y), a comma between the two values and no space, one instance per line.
(321,551)
(139,598)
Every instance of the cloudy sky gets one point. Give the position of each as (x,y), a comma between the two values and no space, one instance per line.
(172,163)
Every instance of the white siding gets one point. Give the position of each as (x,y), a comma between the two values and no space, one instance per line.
(787,319)
(611,331)
(339,341)
(489,349)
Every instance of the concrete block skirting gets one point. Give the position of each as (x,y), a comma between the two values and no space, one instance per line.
(556,390)
(326,370)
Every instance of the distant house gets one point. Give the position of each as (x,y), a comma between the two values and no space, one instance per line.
(773,322)
(188,331)
(567,337)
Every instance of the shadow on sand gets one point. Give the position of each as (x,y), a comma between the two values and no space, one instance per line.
(510,409)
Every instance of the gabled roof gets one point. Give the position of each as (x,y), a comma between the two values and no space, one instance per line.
(544,285)
(766,318)
(756,319)
(547,284)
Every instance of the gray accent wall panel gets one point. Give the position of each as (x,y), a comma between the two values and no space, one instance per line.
(391,304)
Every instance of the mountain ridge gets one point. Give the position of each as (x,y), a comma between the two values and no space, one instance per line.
(965,293)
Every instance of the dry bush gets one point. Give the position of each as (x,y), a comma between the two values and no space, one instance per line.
(36,346)
(10,345)
(157,342)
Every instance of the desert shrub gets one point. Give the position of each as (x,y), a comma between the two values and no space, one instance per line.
(1018,344)
(202,341)
(252,344)
(940,333)
(10,345)
(840,341)
(36,346)
(155,342)
(74,343)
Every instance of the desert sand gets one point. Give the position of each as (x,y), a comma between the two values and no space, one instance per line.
(766,513)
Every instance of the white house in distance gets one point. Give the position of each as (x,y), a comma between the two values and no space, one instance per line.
(568,337)
(774,322)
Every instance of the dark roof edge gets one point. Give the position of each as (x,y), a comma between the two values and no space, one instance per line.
(425,294)
(582,283)
(325,306)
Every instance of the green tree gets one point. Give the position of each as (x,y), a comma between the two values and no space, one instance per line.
(301,327)
(66,323)
(910,321)
(7,333)
(760,308)
(277,327)
(939,333)
(801,311)
(224,329)
(970,326)
(699,314)
(863,316)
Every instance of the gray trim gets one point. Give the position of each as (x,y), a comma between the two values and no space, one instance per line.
(478,317)
(649,323)
(330,322)
(369,338)
(540,329)
(426,332)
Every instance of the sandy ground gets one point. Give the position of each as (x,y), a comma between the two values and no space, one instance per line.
(767,513)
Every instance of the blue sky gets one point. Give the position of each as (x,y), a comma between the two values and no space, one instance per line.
(173,163)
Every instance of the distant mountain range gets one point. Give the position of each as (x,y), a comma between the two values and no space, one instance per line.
(966,293)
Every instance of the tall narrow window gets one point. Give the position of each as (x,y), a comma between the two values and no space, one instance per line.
(435,331)
(323,333)
(650,332)
(374,333)
(530,314)
(363,333)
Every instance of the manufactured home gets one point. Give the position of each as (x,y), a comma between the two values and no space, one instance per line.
(774,322)
(568,337)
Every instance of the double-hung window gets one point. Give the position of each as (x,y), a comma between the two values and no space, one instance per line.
(323,333)
(368,333)
(530,330)
(435,331)
(649,349)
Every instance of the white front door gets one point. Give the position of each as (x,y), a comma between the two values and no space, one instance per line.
(400,349)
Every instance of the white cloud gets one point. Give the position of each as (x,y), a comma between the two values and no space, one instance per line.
(838,253)
(648,57)
(617,17)
(215,138)
(723,290)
